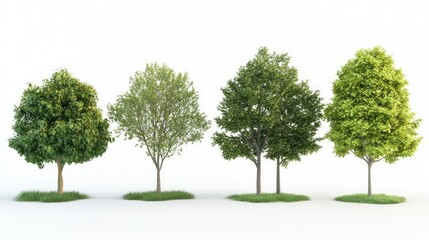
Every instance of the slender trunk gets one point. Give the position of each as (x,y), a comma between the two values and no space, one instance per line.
(60,166)
(158,180)
(278,190)
(258,174)
(369,179)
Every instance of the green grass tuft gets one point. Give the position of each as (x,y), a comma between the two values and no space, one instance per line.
(374,199)
(269,197)
(155,196)
(37,196)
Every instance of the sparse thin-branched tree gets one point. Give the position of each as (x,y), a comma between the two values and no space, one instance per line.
(161,111)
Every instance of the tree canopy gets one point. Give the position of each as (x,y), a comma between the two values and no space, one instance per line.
(298,112)
(370,114)
(260,107)
(60,122)
(161,111)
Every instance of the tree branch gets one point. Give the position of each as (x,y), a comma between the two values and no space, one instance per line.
(162,163)
(156,162)
(368,159)
(363,158)
(148,149)
(252,138)
(284,162)
(254,161)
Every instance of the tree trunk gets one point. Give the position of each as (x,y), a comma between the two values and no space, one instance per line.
(258,174)
(278,190)
(158,180)
(369,179)
(60,188)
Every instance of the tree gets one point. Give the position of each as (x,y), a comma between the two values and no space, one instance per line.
(298,113)
(60,122)
(370,115)
(161,111)
(255,104)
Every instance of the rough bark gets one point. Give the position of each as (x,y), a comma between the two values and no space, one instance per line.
(60,165)
(278,190)
(158,180)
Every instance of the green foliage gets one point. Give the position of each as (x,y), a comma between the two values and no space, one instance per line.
(59,120)
(297,116)
(374,199)
(161,111)
(246,107)
(370,114)
(158,196)
(269,197)
(266,108)
(37,196)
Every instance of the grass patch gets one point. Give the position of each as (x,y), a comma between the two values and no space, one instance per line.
(155,196)
(37,196)
(269,197)
(374,199)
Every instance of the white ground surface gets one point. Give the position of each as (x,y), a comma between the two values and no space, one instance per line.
(212,217)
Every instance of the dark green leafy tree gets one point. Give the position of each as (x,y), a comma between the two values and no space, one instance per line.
(60,122)
(255,108)
(370,115)
(298,114)
(161,111)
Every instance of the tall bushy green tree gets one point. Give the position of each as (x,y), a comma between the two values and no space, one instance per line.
(254,111)
(370,115)
(60,122)
(161,111)
(298,114)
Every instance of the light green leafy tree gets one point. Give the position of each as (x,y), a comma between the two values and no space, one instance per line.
(60,122)
(370,115)
(255,113)
(161,111)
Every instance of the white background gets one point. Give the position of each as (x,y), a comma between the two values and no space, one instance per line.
(104,42)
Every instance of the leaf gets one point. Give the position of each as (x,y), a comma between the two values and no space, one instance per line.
(161,111)
(49,120)
(370,109)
